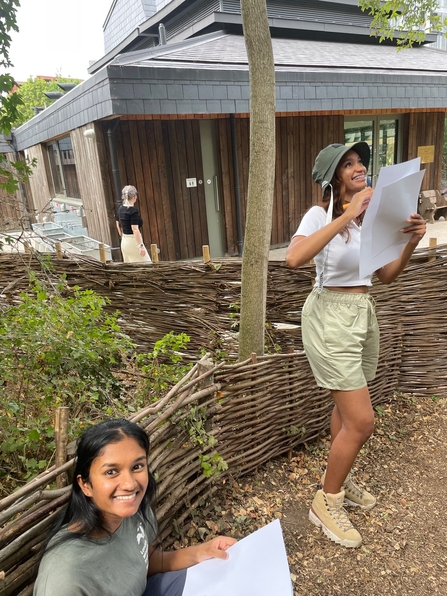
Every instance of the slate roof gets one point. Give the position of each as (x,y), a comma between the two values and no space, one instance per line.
(209,74)
(228,51)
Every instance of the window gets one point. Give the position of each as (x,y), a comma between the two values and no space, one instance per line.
(63,169)
(381,134)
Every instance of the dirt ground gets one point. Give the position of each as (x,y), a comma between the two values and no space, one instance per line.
(404,537)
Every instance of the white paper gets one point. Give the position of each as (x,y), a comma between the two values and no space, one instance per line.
(395,198)
(257,566)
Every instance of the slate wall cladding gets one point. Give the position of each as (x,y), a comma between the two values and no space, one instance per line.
(152,90)
(125,17)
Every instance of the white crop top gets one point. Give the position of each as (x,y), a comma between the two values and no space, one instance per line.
(341,255)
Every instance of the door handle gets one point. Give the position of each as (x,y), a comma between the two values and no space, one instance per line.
(216,193)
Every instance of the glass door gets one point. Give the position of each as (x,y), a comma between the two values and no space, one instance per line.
(382,135)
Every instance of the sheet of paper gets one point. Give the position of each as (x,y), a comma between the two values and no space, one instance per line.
(373,220)
(257,566)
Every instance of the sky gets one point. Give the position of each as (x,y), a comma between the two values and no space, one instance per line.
(57,37)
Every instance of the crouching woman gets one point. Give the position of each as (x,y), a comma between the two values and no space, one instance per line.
(102,544)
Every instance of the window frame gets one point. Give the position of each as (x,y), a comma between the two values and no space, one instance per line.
(376,119)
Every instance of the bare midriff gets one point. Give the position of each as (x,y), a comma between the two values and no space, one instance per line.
(349,289)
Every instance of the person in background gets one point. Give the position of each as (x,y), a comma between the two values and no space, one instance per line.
(129,224)
(339,326)
(102,543)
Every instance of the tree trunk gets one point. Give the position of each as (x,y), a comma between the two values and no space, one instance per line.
(261,177)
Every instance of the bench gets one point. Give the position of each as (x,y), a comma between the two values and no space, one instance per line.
(432,205)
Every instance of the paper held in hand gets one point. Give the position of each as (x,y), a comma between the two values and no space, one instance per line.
(257,566)
(395,198)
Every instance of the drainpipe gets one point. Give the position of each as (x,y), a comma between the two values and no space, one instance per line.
(114,160)
(237,189)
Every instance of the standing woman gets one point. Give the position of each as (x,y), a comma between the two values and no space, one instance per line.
(339,326)
(102,543)
(129,223)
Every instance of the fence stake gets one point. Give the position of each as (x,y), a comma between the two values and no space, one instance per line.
(58,250)
(61,438)
(432,242)
(154,253)
(204,366)
(102,253)
(206,253)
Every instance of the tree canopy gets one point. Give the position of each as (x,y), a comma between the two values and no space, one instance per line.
(411,19)
(10,172)
(32,95)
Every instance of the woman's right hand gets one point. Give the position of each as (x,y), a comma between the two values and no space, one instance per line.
(359,202)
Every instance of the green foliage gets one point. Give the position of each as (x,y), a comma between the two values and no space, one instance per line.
(412,19)
(194,423)
(235,314)
(14,172)
(57,348)
(162,365)
(32,95)
(212,464)
(10,103)
(380,411)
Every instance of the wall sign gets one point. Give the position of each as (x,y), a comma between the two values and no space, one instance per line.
(426,153)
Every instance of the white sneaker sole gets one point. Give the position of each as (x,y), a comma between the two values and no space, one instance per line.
(363,507)
(342,541)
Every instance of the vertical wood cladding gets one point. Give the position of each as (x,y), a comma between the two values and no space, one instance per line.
(157,156)
(90,181)
(13,214)
(298,140)
(421,129)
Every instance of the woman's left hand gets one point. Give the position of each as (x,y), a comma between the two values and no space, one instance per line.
(215,548)
(417,228)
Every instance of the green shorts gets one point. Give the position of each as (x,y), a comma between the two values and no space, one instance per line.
(340,338)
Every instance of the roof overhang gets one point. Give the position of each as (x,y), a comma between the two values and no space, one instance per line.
(190,78)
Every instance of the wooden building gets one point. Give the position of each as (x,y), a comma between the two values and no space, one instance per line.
(167,109)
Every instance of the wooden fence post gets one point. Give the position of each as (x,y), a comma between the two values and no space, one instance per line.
(432,243)
(61,438)
(206,253)
(102,253)
(154,253)
(58,250)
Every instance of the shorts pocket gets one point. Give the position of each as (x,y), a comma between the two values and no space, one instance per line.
(342,325)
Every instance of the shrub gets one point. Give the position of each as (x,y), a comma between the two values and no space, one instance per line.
(57,348)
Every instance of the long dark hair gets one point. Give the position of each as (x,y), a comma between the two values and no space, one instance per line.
(338,191)
(81,511)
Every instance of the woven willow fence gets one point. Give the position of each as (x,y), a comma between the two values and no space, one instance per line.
(255,410)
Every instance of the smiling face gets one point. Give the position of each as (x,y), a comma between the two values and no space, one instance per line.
(117,481)
(352,173)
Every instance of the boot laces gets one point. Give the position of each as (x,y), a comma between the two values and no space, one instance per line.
(340,516)
(352,487)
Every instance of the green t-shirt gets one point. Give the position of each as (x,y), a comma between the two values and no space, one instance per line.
(112,566)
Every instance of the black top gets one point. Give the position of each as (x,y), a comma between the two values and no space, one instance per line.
(128,217)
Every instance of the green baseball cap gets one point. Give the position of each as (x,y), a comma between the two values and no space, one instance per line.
(328,159)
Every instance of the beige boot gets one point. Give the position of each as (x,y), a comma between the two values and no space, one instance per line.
(355,495)
(327,512)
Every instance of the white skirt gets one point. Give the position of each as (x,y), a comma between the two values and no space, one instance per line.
(131,250)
